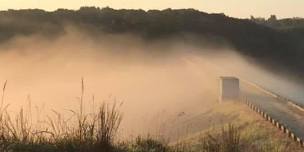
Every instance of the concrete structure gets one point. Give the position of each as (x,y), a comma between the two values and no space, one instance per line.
(229,88)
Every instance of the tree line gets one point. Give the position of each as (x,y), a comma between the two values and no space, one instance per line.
(257,38)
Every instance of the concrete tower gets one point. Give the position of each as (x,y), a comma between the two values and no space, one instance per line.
(229,89)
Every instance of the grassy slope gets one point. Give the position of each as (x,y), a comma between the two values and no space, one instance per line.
(250,132)
(256,134)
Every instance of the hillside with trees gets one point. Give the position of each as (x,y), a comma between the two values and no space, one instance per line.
(257,38)
(274,22)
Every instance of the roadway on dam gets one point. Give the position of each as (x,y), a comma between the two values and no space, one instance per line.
(278,109)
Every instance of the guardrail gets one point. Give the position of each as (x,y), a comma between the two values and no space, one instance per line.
(282,127)
(275,95)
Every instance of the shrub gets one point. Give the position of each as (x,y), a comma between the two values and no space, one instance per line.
(226,141)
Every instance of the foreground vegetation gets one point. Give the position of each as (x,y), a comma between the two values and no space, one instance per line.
(88,139)
(97,132)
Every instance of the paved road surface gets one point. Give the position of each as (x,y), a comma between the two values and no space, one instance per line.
(278,109)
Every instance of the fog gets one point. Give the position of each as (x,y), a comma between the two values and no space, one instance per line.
(156,81)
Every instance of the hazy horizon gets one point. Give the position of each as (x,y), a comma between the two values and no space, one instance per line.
(233,8)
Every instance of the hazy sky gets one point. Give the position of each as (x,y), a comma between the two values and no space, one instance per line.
(236,8)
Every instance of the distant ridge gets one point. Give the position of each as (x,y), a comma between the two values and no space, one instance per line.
(274,47)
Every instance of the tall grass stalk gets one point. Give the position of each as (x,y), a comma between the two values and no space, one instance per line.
(82,132)
(3,94)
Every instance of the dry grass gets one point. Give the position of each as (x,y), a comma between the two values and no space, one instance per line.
(88,132)
(97,131)
(227,141)
(251,133)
